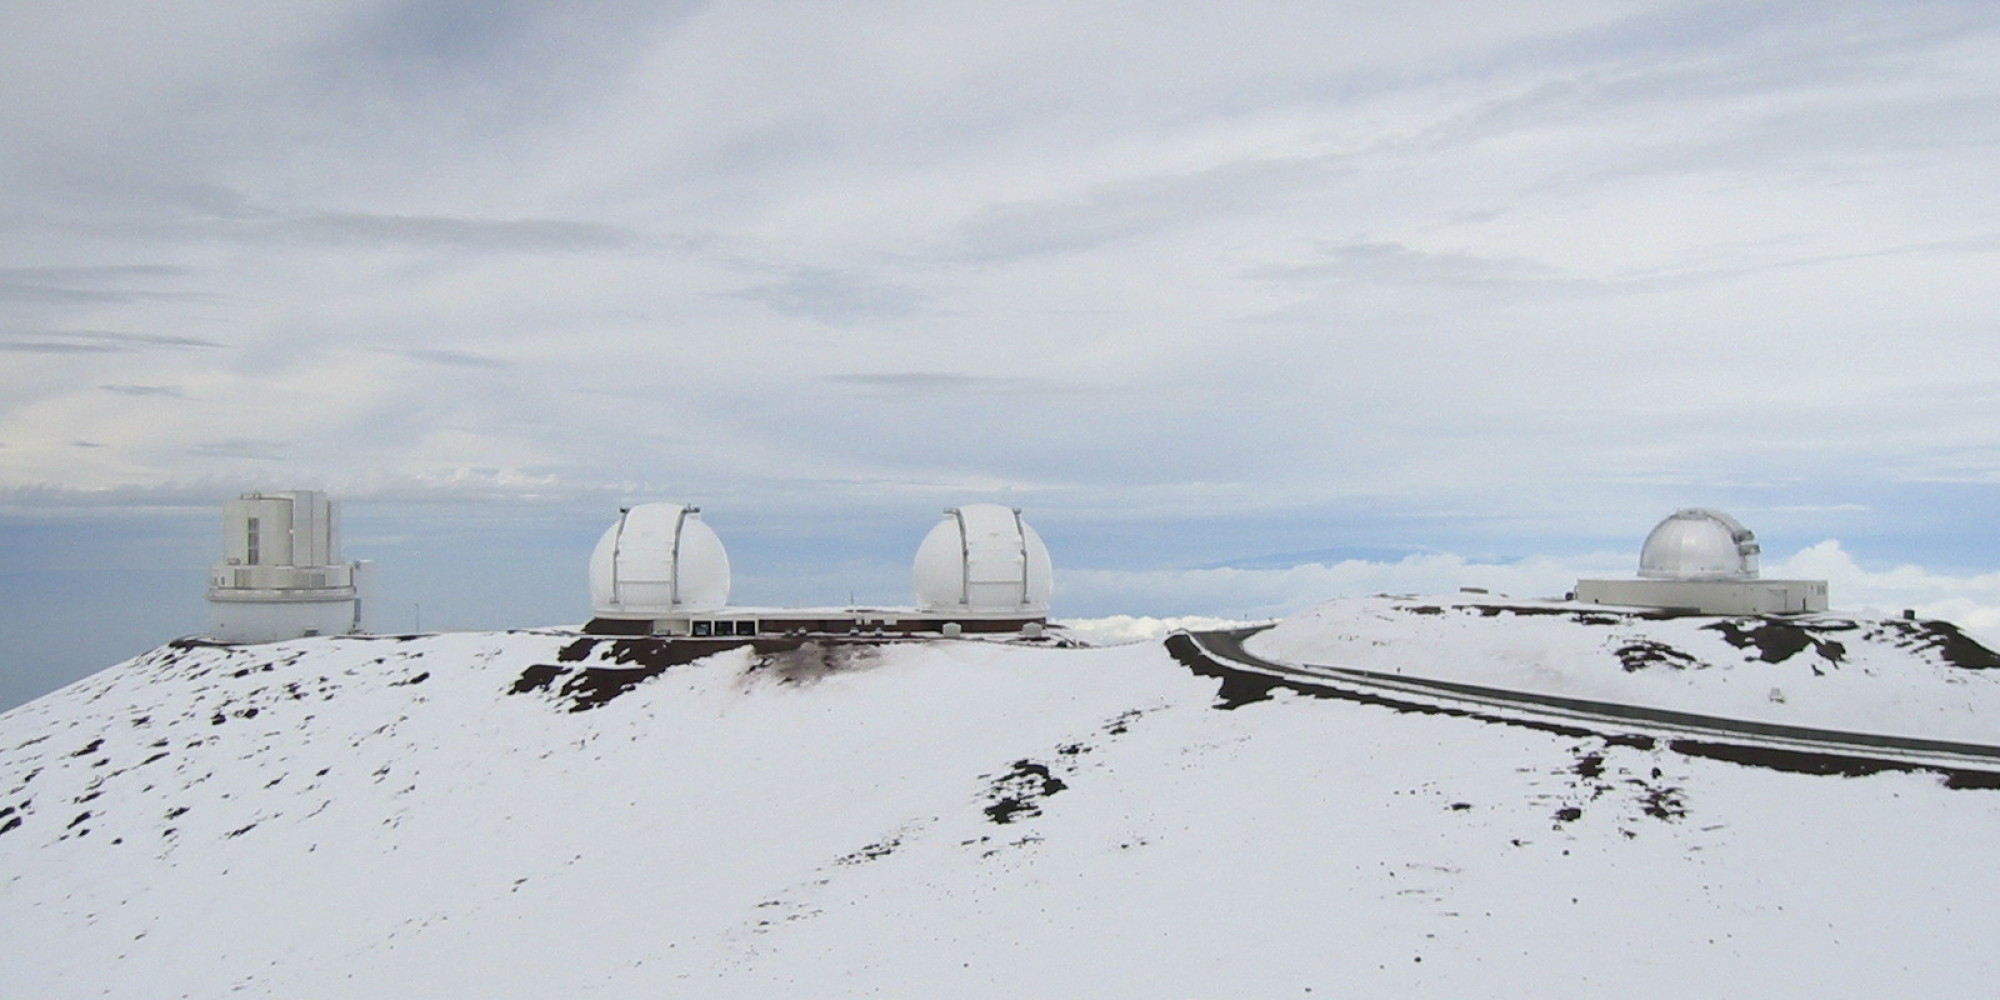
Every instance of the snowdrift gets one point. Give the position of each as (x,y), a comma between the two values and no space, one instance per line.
(1890,676)
(541,814)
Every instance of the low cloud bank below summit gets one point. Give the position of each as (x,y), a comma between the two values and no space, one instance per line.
(1972,601)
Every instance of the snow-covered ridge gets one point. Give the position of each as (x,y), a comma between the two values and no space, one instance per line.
(1889,676)
(535,814)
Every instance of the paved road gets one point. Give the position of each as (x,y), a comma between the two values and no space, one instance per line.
(1975,763)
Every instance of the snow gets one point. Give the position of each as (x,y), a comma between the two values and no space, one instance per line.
(394,819)
(1855,673)
(1114,629)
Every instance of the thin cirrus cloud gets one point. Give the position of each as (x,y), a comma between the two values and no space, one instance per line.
(157,391)
(453,359)
(96,342)
(833,296)
(1338,260)
(951,383)
(450,233)
(88,275)
(32,293)
(1134,208)
(90,286)
(253,449)
(1371,262)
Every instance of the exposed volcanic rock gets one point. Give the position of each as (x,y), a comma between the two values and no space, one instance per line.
(970,818)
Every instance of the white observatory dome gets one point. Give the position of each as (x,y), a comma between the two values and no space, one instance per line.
(982,559)
(658,559)
(1696,543)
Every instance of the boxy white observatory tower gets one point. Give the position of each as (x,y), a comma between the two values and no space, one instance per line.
(281,575)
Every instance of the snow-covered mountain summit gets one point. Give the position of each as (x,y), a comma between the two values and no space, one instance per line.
(541,814)
(1890,676)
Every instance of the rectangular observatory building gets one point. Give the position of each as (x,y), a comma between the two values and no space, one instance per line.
(281,575)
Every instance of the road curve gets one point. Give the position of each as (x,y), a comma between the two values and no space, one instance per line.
(1774,744)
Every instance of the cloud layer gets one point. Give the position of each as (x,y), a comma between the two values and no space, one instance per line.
(1195,285)
(1971,600)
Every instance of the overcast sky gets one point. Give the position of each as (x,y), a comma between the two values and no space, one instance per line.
(1201,287)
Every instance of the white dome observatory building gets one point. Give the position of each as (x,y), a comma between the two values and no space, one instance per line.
(660,571)
(984,563)
(281,575)
(656,569)
(1704,561)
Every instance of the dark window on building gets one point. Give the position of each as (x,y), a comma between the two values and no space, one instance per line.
(250,557)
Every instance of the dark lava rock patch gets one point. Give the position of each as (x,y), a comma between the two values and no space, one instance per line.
(1777,640)
(1606,616)
(1663,803)
(1593,617)
(583,688)
(1939,637)
(1018,794)
(806,661)
(880,849)
(1643,653)
(633,662)
(1597,776)
(657,653)
(593,670)
(1780,639)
